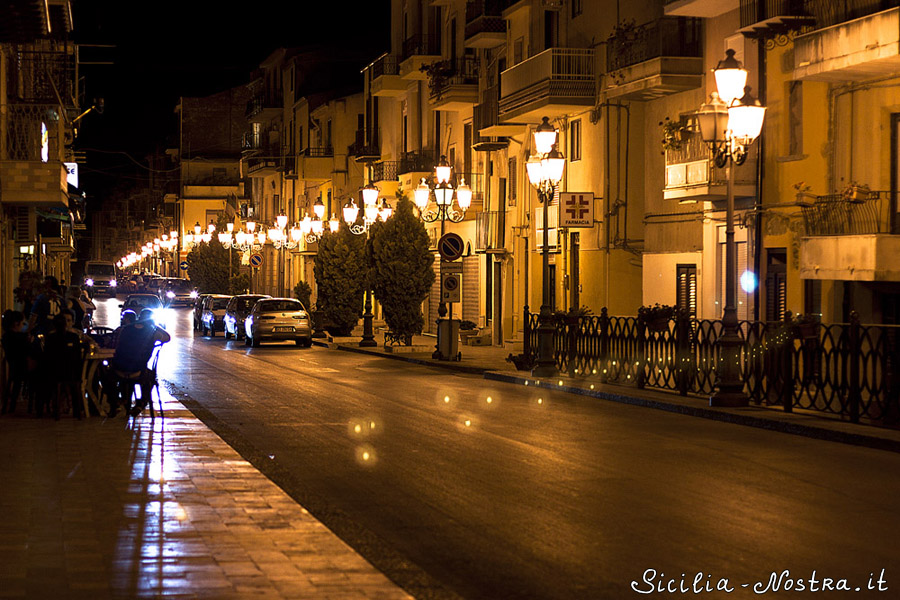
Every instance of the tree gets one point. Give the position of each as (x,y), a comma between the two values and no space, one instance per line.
(340,271)
(303,293)
(400,265)
(208,266)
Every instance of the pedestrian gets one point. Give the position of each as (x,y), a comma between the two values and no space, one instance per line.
(64,352)
(73,302)
(15,352)
(46,306)
(128,366)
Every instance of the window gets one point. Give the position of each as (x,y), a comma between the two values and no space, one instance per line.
(577,7)
(518,50)
(513,182)
(575,140)
(776,284)
(686,288)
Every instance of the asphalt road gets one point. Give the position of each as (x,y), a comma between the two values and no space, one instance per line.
(452,485)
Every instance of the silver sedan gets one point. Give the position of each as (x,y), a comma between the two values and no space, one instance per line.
(278,319)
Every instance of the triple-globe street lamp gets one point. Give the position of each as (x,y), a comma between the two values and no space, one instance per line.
(545,170)
(444,210)
(359,225)
(729,124)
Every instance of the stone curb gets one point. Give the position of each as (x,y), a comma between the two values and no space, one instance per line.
(734,416)
(441,364)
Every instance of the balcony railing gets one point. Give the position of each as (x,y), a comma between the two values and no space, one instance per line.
(259,103)
(29,126)
(414,162)
(838,214)
(484,16)
(461,71)
(834,12)
(42,72)
(554,73)
(385,170)
(361,147)
(421,44)
(251,141)
(757,11)
(490,229)
(385,65)
(317,152)
(669,36)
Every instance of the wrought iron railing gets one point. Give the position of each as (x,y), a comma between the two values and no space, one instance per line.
(841,214)
(845,369)
(385,170)
(413,162)
(42,72)
(252,140)
(258,103)
(669,36)
(490,230)
(757,11)
(421,44)
(463,70)
(385,65)
(32,132)
(484,16)
(317,152)
(834,12)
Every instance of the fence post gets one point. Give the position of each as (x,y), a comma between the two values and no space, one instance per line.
(573,328)
(526,330)
(854,367)
(785,362)
(604,344)
(640,377)
(682,343)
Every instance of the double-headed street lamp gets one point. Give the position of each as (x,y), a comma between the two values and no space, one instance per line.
(371,213)
(729,123)
(545,170)
(445,211)
(314,228)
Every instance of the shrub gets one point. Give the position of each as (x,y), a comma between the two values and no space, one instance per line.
(340,272)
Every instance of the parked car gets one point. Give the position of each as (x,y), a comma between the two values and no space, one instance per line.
(138,302)
(238,309)
(152,284)
(278,319)
(212,317)
(178,291)
(198,310)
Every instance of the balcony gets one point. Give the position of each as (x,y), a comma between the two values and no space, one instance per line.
(412,167)
(453,85)
(386,80)
(847,239)
(251,141)
(768,18)
(485,26)
(489,133)
(556,82)
(490,232)
(856,42)
(362,150)
(656,59)
(385,171)
(699,8)
(262,108)
(419,50)
(691,175)
(31,169)
(315,164)
(57,235)
(264,164)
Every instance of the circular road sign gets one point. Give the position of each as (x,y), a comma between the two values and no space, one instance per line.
(183,265)
(451,246)
(256,260)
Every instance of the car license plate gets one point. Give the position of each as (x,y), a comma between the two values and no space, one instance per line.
(284,329)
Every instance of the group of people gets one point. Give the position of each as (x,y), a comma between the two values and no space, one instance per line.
(45,347)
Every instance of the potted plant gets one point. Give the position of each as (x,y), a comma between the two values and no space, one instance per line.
(437,73)
(467,329)
(856,193)
(804,198)
(673,134)
(657,316)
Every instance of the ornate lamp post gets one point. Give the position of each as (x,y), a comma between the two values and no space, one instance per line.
(729,123)
(545,169)
(371,213)
(443,210)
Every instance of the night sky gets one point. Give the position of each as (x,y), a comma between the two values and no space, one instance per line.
(166,49)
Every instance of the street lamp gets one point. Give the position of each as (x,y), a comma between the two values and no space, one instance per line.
(545,169)
(729,123)
(372,212)
(443,210)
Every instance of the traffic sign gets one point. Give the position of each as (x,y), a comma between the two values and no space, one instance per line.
(451,246)
(451,287)
(576,209)
(183,265)
(256,260)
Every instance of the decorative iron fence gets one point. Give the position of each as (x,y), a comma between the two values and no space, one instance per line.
(385,65)
(669,36)
(33,132)
(838,214)
(757,11)
(844,369)
(385,170)
(421,45)
(834,12)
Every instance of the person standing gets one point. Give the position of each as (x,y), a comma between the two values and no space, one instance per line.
(64,351)
(15,352)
